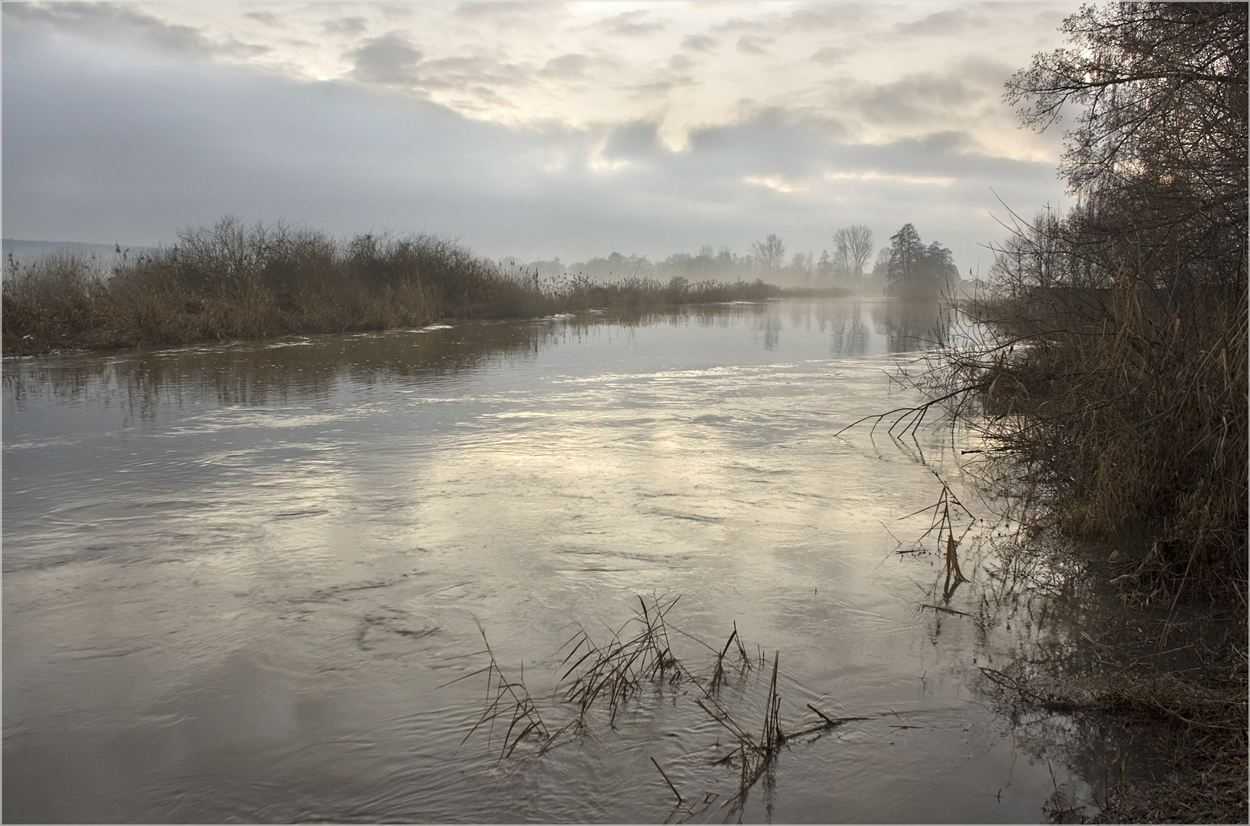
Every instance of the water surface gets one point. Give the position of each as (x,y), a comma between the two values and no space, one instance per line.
(238,578)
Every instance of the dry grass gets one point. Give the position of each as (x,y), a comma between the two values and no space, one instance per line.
(234,281)
(231,282)
(618,669)
(510,700)
(633,295)
(610,675)
(1109,404)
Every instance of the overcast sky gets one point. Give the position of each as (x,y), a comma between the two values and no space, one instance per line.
(533,130)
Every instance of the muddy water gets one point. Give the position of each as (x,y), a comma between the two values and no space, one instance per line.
(238,579)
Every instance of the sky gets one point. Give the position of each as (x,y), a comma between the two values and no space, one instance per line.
(533,130)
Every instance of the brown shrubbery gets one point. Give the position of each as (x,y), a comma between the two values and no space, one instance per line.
(231,281)
(1107,376)
(1121,409)
(234,281)
(1109,373)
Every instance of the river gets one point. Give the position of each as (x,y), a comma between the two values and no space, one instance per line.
(241,581)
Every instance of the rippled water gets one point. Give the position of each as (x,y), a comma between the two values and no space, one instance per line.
(238,578)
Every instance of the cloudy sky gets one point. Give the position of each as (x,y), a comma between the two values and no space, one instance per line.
(528,129)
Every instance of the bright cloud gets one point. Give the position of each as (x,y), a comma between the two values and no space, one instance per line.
(533,129)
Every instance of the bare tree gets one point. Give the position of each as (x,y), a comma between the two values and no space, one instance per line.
(1097,385)
(1158,146)
(853,248)
(771,252)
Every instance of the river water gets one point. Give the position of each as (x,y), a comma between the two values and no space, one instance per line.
(241,581)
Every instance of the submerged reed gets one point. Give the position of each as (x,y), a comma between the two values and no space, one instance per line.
(608,675)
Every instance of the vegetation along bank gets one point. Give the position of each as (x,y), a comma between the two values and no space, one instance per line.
(1108,381)
(239,281)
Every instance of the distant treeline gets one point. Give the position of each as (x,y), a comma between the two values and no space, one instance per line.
(706,264)
(239,281)
(906,269)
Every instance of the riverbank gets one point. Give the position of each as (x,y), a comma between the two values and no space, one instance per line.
(1160,694)
(238,282)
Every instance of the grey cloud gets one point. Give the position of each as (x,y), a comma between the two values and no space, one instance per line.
(466,72)
(124,24)
(880,181)
(831,54)
(829,15)
(658,87)
(885,186)
(775,142)
(567,66)
(919,99)
(949,144)
(1049,20)
(769,141)
(390,59)
(631,24)
(101,147)
(505,9)
(266,17)
(699,42)
(483,99)
(989,74)
(736,24)
(945,22)
(754,44)
(345,25)
(513,19)
(639,140)
(679,63)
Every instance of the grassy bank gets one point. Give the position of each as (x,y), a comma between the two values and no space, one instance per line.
(1109,378)
(236,281)
(1108,375)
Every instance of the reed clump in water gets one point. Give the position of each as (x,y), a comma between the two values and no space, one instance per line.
(608,675)
(619,668)
(509,699)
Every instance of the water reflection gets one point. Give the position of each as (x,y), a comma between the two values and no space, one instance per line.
(244,608)
(913,326)
(265,373)
(845,322)
(296,370)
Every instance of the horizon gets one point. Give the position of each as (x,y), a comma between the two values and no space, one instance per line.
(531,131)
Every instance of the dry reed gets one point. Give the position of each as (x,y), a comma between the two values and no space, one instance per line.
(509,700)
(619,668)
(608,675)
(234,281)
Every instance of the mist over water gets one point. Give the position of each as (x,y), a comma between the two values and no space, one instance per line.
(239,579)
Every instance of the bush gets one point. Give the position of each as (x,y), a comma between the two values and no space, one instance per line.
(1109,378)
(238,281)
